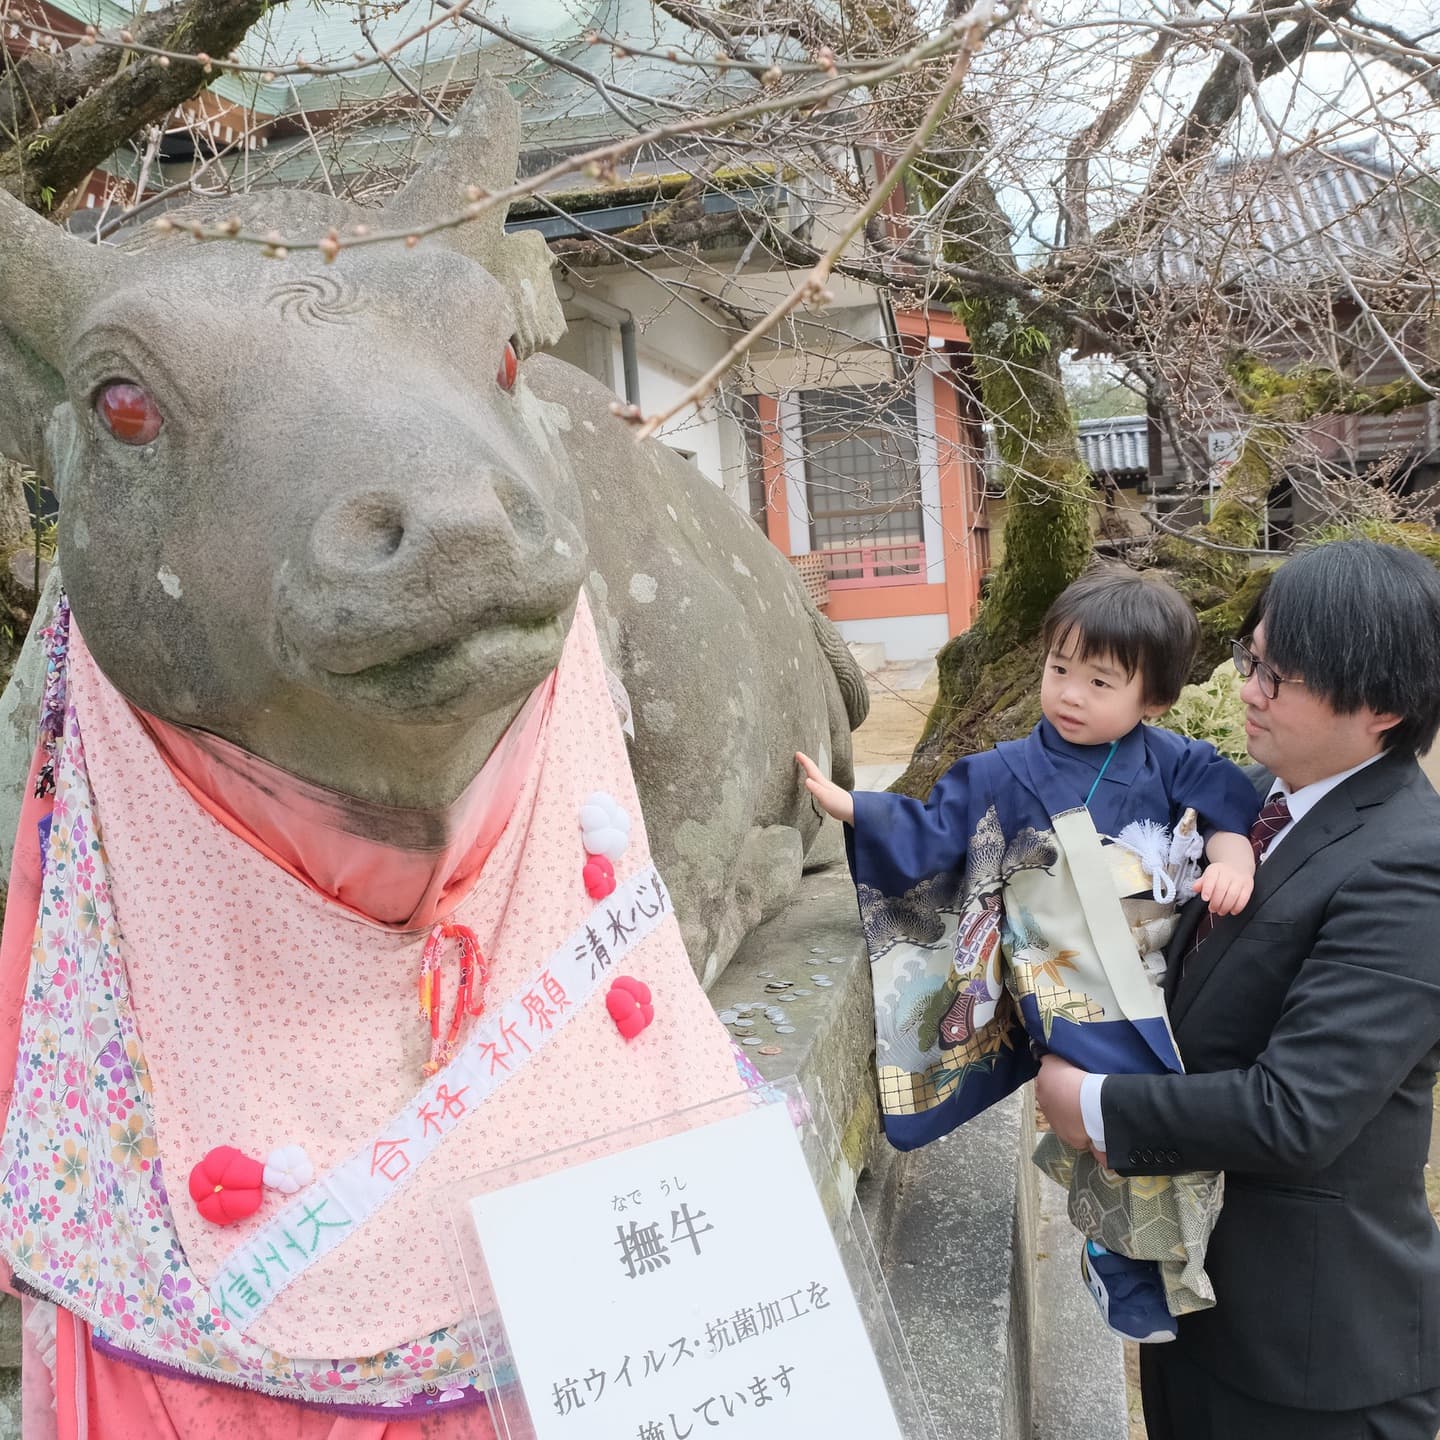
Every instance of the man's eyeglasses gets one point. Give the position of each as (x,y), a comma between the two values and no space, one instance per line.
(1267,677)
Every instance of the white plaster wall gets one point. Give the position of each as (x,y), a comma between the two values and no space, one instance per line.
(813,368)
(693,431)
(674,346)
(905,637)
(797,498)
(678,340)
(734,456)
(928,456)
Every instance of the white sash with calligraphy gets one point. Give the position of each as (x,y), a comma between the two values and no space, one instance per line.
(326,1214)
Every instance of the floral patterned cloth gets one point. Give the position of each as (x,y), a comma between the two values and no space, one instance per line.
(86,1219)
(84,1210)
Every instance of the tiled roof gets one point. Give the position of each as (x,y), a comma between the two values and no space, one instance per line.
(1288,218)
(1115,446)
(557,105)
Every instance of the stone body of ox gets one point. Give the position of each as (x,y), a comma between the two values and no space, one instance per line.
(354,545)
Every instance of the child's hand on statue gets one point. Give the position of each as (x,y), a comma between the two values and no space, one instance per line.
(1225,889)
(828,795)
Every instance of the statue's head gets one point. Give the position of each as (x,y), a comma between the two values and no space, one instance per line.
(312,508)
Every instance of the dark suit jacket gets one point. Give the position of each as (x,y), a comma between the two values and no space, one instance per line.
(1310,1027)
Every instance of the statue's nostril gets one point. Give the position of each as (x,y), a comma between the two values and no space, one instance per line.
(391,536)
(358,534)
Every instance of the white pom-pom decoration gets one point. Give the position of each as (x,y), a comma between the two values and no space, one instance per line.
(604,826)
(288,1169)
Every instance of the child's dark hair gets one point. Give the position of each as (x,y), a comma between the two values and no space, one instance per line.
(1144,624)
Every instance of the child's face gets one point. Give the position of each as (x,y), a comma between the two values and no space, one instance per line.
(1092,701)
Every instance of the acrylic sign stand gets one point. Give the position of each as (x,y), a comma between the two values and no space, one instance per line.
(725,1224)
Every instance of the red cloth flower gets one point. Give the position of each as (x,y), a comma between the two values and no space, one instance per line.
(629,1005)
(226,1185)
(599,876)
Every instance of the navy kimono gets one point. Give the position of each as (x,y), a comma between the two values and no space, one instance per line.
(978,933)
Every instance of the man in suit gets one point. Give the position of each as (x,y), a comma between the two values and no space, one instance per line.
(1310,1028)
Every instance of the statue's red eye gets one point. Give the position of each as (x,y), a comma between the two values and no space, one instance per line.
(509,367)
(130,413)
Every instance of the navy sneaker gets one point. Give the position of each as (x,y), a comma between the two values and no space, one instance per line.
(1129,1294)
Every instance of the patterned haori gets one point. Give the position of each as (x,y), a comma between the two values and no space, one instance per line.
(174,1006)
(1000,924)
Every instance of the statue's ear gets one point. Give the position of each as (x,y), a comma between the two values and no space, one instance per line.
(482,147)
(47,279)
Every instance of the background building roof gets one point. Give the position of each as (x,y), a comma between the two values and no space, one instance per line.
(1116,446)
(1297,218)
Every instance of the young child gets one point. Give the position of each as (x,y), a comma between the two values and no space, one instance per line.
(1006,915)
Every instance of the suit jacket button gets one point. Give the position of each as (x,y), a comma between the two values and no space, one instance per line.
(1147,1157)
(1134,1158)
(1172,1157)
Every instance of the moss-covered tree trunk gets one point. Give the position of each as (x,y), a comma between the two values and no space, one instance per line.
(988,688)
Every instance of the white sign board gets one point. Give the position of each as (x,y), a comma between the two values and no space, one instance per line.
(686,1286)
(1223,446)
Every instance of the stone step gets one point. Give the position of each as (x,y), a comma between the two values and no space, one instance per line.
(1079,1362)
(829,1048)
(869,654)
(878,777)
(957,1250)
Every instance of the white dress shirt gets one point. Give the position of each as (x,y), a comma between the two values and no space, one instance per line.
(1301,803)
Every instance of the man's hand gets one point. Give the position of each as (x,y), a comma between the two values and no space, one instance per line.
(1225,889)
(1057,1088)
(828,795)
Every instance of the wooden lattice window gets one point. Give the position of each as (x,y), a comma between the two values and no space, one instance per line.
(862,481)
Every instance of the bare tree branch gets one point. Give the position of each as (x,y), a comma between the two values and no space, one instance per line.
(63,120)
(1076,205)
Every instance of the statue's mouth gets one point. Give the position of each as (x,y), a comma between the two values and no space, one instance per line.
(467,675)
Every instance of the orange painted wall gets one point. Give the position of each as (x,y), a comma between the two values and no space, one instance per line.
(957,491)
(957,478)
(886,602)
(772,461)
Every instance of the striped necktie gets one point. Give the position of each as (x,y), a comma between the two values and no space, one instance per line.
(1274,816)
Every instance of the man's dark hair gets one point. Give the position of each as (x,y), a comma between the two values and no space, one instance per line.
(1139,621)
(1359,623)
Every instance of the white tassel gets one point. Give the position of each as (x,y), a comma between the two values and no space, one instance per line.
(1171,861)
(1150,843)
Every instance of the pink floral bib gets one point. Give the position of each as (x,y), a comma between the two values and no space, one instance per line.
(186,993)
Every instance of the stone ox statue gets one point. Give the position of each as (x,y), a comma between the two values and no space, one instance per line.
(354,546)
